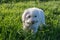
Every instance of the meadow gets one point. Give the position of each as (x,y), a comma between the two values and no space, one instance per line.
(11,23)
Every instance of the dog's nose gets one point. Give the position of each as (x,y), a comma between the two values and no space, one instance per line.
(32,22)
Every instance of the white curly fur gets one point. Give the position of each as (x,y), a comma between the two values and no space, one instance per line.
(32,18)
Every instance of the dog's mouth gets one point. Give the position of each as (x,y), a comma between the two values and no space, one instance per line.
(31,23)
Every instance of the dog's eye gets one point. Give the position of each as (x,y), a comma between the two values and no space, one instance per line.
(35,16)
(29,16)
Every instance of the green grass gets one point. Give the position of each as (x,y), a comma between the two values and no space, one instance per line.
(11,23)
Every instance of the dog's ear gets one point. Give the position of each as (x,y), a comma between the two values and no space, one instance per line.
(42,16)
(24,15)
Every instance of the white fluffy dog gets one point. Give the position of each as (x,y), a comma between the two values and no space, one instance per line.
(32,18)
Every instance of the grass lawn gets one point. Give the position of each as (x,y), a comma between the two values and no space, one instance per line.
(11,23)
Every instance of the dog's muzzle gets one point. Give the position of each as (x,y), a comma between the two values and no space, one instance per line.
(32,22)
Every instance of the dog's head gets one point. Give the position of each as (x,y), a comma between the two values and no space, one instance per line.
(33,17)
